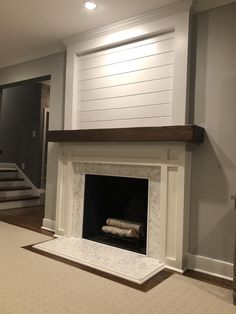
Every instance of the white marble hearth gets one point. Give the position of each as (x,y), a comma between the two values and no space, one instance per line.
(128,265)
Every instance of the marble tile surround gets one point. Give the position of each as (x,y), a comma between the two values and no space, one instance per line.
(128,265)
(152,173)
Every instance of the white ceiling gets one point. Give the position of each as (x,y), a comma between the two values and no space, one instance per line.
(34,28)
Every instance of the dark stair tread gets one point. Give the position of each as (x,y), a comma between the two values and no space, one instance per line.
(11,179)
(18,198)
(8,170)
(14,188)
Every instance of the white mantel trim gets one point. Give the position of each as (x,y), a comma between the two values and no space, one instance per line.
(170,158)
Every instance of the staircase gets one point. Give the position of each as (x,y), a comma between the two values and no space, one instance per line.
(15,188)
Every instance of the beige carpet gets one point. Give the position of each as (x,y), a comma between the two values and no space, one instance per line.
(31,283)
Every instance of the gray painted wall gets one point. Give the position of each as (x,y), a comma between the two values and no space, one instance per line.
(19,117)
(53,65)
(212,216)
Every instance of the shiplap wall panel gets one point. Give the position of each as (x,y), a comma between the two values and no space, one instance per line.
(126,113)
(140,122)
(143,51)
(128,78)
(127,46)
(126,90)
(128,66)
(125,86)
(128,101)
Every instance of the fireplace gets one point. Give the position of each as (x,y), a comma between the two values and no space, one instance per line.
(133,191)
(125,117)
(145,183)
(115,193)
(115,211)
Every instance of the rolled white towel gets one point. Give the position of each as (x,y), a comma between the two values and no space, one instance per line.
(124,224)
(126,233)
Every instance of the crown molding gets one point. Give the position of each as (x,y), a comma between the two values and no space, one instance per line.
(203,5)
(175,8)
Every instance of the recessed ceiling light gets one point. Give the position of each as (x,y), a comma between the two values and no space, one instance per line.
(90,5)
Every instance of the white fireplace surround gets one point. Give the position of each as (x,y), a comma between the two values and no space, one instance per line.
(165,166)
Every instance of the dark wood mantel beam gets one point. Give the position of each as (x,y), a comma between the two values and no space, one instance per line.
(183,133)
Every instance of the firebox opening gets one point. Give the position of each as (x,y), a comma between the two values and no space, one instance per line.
(115,211)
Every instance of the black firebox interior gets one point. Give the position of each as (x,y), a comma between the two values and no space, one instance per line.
(115,197)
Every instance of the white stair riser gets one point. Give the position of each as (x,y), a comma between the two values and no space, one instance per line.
(19,204)
(15,193)
(5,165)
(6,175)
(11,183)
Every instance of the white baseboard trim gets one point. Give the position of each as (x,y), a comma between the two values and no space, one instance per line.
(175,269)
(48,224)
(210,266)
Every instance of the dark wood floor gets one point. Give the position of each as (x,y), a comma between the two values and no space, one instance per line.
(31,218)
(28,217)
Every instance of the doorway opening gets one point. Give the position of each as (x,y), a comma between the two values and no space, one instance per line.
(24,121)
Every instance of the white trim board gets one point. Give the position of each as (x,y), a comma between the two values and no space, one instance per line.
(175,269)
(48,224)
(210,266)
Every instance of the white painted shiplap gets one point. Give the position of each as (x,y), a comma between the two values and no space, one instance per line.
(128,66)
(128,77)
(145,48)
(123,123)
(126,113)
(125,86)
(162,97)
(157,85)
